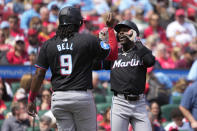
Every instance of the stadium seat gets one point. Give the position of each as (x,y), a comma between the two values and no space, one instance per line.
(15,86)
(41,112)
(8,105)
(176,99)
(35,129)
(1,123)
(109,92)
(166,110)
(99,98)
(101,107)
(5,112)
(165,123)
(109,98)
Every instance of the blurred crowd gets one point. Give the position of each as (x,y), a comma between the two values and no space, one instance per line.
(167,27)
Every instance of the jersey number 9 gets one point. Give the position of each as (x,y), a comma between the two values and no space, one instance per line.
(66,64)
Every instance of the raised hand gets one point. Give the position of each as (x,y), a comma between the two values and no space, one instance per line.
(110,20)
(103,34)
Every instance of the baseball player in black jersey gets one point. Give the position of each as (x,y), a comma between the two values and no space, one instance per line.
(128,77)
(70,56)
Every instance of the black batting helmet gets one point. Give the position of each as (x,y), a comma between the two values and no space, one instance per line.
(70,15)
(127,23)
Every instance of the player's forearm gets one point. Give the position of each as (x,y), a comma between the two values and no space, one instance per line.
(113,55)
(187,114)
(36,83)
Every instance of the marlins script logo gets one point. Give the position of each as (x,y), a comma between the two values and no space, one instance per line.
(132,62)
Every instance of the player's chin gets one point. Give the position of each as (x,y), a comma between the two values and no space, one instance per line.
(123,41)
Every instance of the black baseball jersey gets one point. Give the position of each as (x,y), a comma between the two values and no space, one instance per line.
(128,72)
(70,60)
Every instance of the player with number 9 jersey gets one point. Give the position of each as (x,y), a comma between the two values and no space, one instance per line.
(70,56)
(70,60)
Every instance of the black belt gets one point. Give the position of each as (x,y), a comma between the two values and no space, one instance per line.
(128,97)
(131,98)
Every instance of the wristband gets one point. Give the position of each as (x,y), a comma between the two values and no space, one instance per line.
(32,96)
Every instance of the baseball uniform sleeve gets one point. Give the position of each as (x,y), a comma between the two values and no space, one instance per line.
(145,54)
(108,51)
(42,60)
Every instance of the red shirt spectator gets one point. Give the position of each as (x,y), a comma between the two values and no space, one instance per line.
(18,55)
(166,63)
(105,123)
(155,28)
(14,26)
(14,59)
(44,35)
(32,44)
(187,58)
(3,46)
(17,32)
(163,57)
(2,108)
(159,30)
(106,126)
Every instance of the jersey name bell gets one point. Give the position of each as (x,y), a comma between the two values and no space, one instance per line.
(71,71)
(65,46)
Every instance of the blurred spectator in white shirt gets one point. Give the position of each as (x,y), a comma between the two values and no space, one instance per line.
(179,31)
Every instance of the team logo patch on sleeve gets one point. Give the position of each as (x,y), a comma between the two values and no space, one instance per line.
(104,45)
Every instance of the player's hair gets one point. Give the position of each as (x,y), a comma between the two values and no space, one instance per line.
(67,31)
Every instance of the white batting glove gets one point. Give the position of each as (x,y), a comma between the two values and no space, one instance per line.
(103,34)
(132,34)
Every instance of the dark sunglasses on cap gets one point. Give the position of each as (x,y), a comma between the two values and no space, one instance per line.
(20,42)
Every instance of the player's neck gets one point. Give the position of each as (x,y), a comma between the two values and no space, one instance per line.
(127,47)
